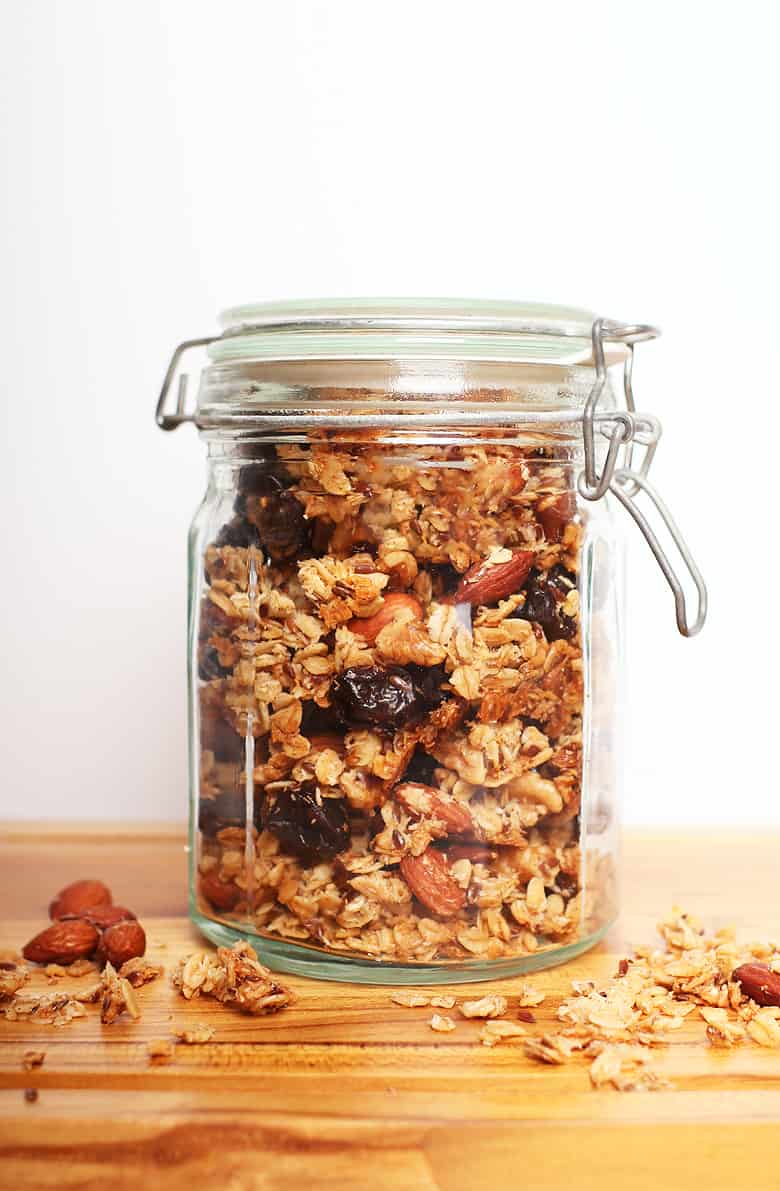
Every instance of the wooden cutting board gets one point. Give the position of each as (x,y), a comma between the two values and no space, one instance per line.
(347,1090)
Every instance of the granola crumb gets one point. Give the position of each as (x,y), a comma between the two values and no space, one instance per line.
(79,967)
(14,974)
(117,997)
(526,1015)
(160,1051)
(443,1001)
(138,971)
(411,1000)
(31,1095)
(234,976)
(442,1025)
(491,1005)
(529,997)
(33,1058)
(196,1035)
(493,1032)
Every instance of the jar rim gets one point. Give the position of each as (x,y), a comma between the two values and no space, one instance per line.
(410,328)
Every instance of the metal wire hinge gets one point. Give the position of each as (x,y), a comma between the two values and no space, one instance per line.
(624,429)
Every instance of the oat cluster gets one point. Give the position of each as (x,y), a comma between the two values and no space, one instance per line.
(390,701)
(234,976)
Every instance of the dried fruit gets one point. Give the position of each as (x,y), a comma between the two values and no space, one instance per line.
(239,533)
(542,599)
(394,604)
(281,523)
(209,665)
(308,825)
(81,895)
(427,802)
(555,512)
(488,582)
(223,895)
(428,877)
(124,941)
(226,810)
(378,696)
(759,983)
(63,941)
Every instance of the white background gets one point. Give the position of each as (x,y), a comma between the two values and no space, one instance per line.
(164,159)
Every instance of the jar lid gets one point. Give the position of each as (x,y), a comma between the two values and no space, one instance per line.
(407,328)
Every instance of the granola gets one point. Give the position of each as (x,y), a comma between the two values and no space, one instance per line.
(390,701)
(233,976)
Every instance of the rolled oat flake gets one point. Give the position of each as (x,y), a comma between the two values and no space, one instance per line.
(404,630)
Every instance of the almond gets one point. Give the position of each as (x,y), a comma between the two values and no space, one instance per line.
(369,627)
(123,941)
(476,853)
(487,583)
(103,916)
(81,895)
(429,803)
(62,942)
(428,877)
(759,983)
(223,895)
(555,512)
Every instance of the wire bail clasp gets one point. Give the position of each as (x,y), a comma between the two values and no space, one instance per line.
(624,429)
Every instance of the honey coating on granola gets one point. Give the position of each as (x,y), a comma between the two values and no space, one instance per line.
(392,633)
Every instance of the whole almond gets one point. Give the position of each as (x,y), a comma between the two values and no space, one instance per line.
(428,877)
(428,802)
(124,941)
(62,942)
(759,983)
(369,627)
(487,583)
(103,916)
(223,895)
(81,895)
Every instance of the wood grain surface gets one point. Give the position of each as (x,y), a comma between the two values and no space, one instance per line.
(346,1090)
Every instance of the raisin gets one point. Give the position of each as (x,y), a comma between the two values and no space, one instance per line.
(238,533)
(428,682)
(283,529)
(542,597)
(379,696)
(226,810)
(421,768)
(209,665)
(308,825)
(318,721)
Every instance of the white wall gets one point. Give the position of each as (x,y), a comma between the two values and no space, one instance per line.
(164,159)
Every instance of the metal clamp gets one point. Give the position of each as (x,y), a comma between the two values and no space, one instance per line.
(172,421)
(625,482)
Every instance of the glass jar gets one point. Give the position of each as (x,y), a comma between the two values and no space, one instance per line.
(404,627)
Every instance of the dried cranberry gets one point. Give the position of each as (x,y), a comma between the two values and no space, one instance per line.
(379,696)
(209,665)
(308,825)
(238,533)
(281,524)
